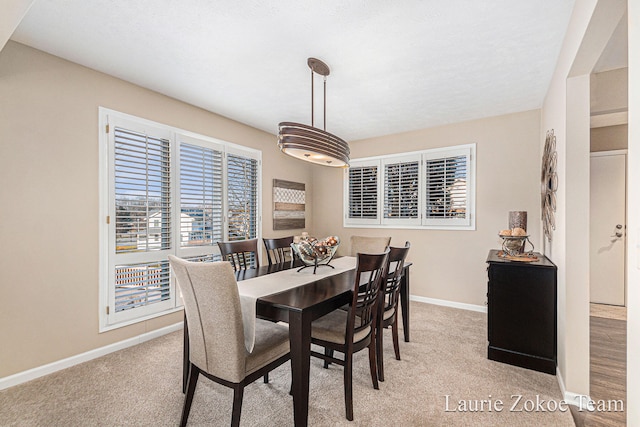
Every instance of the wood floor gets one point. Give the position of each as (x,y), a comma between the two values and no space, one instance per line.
(608,346)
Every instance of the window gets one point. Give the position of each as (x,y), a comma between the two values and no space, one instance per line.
(165,191)
(425,189)
(363,193)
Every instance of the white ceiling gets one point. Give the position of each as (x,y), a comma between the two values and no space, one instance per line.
(395,66)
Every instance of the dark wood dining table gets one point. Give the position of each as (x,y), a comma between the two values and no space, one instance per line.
(299,307)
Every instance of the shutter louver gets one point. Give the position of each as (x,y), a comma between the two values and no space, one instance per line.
(446,187)
(363,192)
(401,195)
(201,220)
(142,192)
(140,285)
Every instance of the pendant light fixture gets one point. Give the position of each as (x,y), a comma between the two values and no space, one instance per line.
(308,142)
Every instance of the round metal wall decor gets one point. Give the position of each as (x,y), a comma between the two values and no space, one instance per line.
(549,184)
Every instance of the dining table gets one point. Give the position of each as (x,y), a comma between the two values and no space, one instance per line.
(299,306)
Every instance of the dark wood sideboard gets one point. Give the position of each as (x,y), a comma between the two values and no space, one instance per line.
(522,309)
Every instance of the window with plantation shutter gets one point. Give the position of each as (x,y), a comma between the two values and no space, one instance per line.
(242,190)
(447,188)
(201,215)
(422,189)
(362,194)
(141,204)
(401,191)
(165,191)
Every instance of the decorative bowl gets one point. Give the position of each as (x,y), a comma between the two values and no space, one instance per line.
(316,252)
(515,245)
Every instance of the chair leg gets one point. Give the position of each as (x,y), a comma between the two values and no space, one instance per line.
(372,364)
(327,352)
(238,392)
(185,356)
(379,350)
(348,385)
(194,373)
(394,333)
(266,378)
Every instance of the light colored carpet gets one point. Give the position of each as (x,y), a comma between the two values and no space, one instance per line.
(141,386)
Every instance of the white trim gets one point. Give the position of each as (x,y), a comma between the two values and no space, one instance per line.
(447,303)
(40,371)
(621,152)
(609,119)
(582,401)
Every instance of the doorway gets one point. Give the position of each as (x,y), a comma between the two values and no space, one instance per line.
(607,235)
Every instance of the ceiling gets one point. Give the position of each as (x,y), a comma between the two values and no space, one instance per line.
(395,66)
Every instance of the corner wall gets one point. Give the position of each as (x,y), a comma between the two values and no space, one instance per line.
(566,110)
(49,199)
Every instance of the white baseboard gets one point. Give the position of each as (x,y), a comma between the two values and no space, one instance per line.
(446,303)
(40,371)
(582,401)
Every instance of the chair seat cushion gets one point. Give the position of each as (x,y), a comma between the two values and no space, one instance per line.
(272,342)
(332,327)
(389,313)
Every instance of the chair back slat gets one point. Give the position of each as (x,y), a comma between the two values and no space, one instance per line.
(279,250)
(212,307)
(370,272)
(391,286)
(242,254)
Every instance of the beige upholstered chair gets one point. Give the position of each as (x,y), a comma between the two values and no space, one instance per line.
(216,334)
(388,303)
(368,245)
(348,332)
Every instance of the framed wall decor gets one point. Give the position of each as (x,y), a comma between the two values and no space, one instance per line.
(288,205)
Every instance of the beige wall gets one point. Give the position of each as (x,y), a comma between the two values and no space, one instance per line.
(450,265)
(609,91)
(49,199)
(609,138)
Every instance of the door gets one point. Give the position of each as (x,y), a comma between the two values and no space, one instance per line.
(608,227)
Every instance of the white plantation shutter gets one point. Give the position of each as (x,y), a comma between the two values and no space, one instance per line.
(401,191)
(447,189)
(142,192)
(242,191)
(362,193)
(141,197)
(423,189)
(201,215)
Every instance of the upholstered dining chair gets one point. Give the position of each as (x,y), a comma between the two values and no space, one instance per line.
(242,254)
(216,332)
(368,245)
(348,332)
(388,304)
(279,249)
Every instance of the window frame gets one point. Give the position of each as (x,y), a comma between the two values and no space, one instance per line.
(110,119)
(422,222)
(346,194)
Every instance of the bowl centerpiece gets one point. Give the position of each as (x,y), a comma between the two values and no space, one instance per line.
(314,253)
(514,241)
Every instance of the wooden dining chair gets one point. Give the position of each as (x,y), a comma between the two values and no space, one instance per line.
(348,332)
(242,254)
(279,250)
(216,332)
(368,245)
(388,304)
